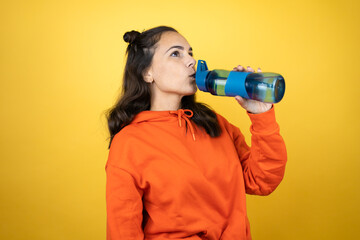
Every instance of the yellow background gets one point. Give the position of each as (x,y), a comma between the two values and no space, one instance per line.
(61,68)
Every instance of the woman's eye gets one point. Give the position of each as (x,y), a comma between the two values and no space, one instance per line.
(175,54)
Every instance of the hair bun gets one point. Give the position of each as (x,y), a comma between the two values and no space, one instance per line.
(130,37)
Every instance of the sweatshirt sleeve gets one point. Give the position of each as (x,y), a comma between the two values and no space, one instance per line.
(264,162)
(123,198)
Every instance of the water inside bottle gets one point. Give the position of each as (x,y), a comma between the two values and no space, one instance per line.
(265,87)
(216,80)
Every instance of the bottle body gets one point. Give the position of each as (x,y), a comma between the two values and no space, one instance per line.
(265,87)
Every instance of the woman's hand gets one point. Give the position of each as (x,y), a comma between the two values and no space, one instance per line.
(250,105)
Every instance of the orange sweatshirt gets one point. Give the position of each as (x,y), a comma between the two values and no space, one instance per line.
(165,181)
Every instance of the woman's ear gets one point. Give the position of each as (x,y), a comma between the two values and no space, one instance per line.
(148,76)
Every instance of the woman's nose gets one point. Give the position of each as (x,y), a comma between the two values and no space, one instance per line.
(191,62)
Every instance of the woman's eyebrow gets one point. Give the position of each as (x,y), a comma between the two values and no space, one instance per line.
(178,47)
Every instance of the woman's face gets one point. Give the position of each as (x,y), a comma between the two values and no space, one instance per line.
(173,67)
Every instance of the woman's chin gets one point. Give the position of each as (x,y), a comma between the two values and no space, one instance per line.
(193,92)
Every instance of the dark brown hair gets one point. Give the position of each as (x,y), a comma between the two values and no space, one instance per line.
(136,95)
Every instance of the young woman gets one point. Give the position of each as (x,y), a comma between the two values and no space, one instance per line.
(176,169)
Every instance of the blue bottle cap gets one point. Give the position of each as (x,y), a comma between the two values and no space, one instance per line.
(201,74)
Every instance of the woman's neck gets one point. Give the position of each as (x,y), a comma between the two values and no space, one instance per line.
(165,102)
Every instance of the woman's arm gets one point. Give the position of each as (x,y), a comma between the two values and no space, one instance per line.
(124,205)
(123,196)
(264,162)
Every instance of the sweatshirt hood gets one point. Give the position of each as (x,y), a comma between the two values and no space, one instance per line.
(166,116)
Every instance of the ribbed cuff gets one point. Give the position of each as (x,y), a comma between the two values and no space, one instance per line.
(264,122)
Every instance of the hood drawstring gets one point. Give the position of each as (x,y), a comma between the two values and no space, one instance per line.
(186,114)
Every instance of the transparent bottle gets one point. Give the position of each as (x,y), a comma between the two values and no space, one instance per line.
(265,86)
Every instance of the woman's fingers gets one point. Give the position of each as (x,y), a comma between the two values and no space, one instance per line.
(240,68)
(249,69)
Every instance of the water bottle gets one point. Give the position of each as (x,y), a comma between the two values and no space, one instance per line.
(264,87)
